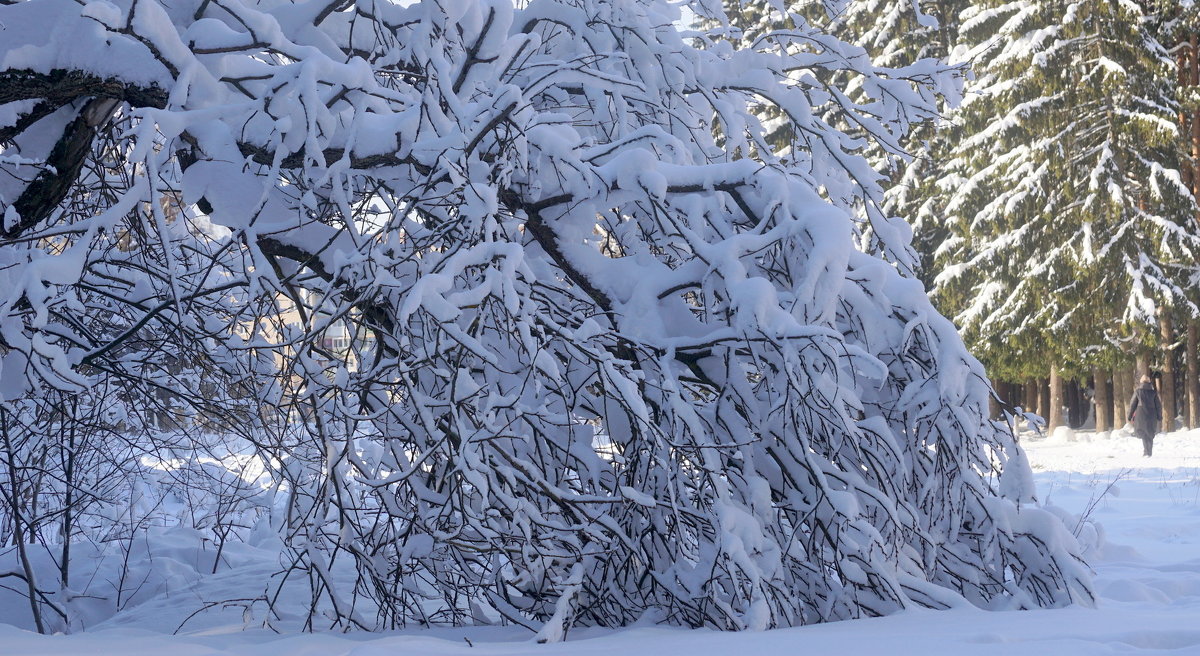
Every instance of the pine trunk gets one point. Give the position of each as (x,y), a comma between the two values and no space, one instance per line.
(1103,400)
(1031,396)
(1192,380)
(1119,396)
(1168,372)
(1055,418)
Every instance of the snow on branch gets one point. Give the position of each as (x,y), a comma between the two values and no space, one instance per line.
(530,323)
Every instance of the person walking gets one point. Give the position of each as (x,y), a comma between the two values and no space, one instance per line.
(1145,410)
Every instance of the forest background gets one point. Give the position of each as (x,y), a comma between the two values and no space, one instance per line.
(1054,210)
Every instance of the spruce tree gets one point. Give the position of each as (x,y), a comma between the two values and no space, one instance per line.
(1070,221)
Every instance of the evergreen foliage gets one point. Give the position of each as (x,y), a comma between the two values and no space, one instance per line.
(1070,224)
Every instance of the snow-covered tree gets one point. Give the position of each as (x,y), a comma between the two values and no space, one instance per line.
(1072,223)
(540,328)
(894,35)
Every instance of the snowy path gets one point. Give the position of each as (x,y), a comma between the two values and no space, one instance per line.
(1148,578)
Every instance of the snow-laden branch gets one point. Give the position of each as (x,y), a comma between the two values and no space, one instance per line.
(537,328)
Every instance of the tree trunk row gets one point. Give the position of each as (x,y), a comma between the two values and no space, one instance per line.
(1101,400)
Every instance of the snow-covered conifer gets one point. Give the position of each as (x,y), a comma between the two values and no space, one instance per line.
(1072,223)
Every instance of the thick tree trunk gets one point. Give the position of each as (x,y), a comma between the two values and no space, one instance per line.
(1102,399)
(1120,396)
(1192,380)
(1055,417)
(1168,371)
(1031,396)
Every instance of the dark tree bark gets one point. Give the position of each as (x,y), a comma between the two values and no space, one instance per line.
(1192,379)
(1168,372)
(1121,394)
(1141,367)
(1055,417)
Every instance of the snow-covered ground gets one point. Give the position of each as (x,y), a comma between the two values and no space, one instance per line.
(1147,561)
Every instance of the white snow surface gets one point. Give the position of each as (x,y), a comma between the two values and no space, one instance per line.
(1146,554)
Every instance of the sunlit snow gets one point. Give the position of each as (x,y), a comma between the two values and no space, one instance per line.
(1146,554)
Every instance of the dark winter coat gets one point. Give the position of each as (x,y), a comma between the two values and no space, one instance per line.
(1146,411)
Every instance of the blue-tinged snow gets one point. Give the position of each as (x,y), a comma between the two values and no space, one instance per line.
(1144,546)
